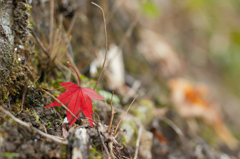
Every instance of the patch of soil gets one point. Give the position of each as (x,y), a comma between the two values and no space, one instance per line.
(47,120)
(21,142)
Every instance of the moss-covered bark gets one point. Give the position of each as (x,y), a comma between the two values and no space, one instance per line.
(6,41)
(13,40)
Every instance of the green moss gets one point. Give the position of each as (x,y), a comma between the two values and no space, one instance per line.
(3,94)
(151,9)
(10,155)
(131,133)
(49,124)
(144,111)
(124,140)
(15,76)
(36,116)
(27,111)
(94,154)
(58,109)
(208,134)
(64,151)
(95,109)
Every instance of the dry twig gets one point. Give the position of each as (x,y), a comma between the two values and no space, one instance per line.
(180,134)
(105,147)
(173,125)
(124,116)
(56,139)
(110,146)
(105,31)
(71,24)
(40,43)
(51,23)
(79,111)
(112,115)
(69,70)
(138,141)
(23,98)
(56,88)
(59,102)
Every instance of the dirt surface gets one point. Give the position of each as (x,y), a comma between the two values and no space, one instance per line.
(24,142)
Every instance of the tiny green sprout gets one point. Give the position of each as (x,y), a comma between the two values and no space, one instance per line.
(36,116)
(49,124)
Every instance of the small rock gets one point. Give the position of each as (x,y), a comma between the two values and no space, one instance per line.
(10,147)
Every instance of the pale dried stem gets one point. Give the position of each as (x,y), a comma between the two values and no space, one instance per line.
(64,51)
(71,25)
(56,139)
(69,70)
(40,43)
(44,127)
(112,115)
(138,141)
(110,146)
(56,42)
(173,125)
(106,47)
(124,116)
(51,24)
(105,147)
(56,88)
(23,98)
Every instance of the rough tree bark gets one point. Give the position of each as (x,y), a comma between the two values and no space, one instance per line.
(14,26)
(6,40)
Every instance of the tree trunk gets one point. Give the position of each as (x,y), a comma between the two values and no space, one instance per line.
(13,40)
(6,40)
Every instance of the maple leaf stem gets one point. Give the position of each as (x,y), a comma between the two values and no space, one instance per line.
(75,72)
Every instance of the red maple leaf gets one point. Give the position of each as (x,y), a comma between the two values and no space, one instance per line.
(78,99)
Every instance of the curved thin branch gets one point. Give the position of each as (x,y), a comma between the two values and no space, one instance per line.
(56,139)
(59,102)
(123,116)
(105,31)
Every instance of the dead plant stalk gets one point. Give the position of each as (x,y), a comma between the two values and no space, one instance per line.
(138,141)
(59,102)
(112,115)
(51,23)
(105,31)
(124,116)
